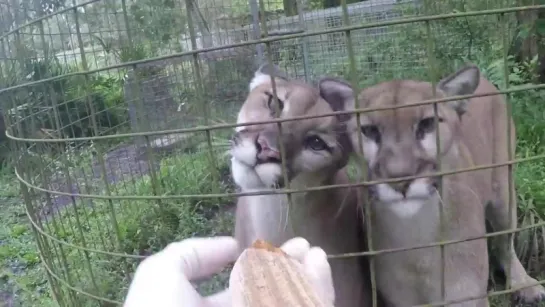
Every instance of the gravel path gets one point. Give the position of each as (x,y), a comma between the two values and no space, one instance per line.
(122,163)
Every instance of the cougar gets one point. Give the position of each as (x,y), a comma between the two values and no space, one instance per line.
(402,142)
(316,152)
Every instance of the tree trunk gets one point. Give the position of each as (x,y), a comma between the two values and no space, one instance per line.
(336,3)
(528,41)
(290,7)
(331,3)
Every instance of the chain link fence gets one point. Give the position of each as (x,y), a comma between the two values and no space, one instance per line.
(120,112)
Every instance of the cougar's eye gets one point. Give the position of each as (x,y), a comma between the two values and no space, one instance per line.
(315,143)
(426,125)
(270,102)
(372,132)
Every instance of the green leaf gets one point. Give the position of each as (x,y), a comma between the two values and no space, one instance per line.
(540,26)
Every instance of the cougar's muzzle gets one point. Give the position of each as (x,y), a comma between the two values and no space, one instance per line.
(268,150)
(400,165)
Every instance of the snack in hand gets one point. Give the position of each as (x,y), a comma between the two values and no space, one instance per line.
(265,276)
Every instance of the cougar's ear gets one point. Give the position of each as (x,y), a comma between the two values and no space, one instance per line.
(463,82)
(264,72)
(338,93)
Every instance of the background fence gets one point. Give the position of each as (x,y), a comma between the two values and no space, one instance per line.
(91,73)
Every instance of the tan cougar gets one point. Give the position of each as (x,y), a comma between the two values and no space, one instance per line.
(402,142)
(316,152)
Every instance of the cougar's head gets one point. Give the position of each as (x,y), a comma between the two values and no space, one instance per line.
(314,148)
(402,142)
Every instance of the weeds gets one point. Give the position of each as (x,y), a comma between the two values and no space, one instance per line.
(142,227)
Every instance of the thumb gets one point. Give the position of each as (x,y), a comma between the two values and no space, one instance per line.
(318,271)
(202,257)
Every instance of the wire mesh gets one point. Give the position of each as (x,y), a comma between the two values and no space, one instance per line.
(120,112)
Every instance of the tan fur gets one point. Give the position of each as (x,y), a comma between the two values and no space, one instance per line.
(472,133)
(329,218)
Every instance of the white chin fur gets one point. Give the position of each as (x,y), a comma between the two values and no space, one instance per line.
(405,207)
(269,173)
(370,150)
(249,178)
(245,152)
(246,174)
(429,144)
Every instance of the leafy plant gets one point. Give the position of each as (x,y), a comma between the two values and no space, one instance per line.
(65,104)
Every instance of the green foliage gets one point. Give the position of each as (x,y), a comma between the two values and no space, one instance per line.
(159,21)
(63,104)
(529,114)
(18,251)
(142,227)
(422,50)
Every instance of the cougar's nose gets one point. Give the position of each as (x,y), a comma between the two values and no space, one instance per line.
(398,167)
(266,150)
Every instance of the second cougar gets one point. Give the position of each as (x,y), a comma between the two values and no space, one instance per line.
(402,142)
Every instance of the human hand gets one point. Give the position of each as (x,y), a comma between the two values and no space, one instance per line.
(163,279)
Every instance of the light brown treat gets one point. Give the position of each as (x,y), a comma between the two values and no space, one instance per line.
(262,244)
(264,275)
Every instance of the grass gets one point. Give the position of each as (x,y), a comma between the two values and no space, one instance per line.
(529,117)
(18,253)
(143,227)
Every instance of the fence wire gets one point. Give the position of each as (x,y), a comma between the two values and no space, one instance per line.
(113,108)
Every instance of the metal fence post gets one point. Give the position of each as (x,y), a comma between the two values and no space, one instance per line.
(254,9)
(304,40)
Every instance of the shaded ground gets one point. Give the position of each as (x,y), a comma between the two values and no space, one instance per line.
(122,163)
(6,299)
(8,205)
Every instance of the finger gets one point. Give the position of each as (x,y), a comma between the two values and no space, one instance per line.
(202,257)
(318,270)
(220,299)
(296,248)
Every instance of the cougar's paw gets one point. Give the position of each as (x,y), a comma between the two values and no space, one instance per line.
(529,295)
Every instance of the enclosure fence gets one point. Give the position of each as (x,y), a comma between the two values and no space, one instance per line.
(81,157)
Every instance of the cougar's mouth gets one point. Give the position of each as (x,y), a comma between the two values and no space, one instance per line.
(269,160)
(250,172)
(412,189)
(417,189)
